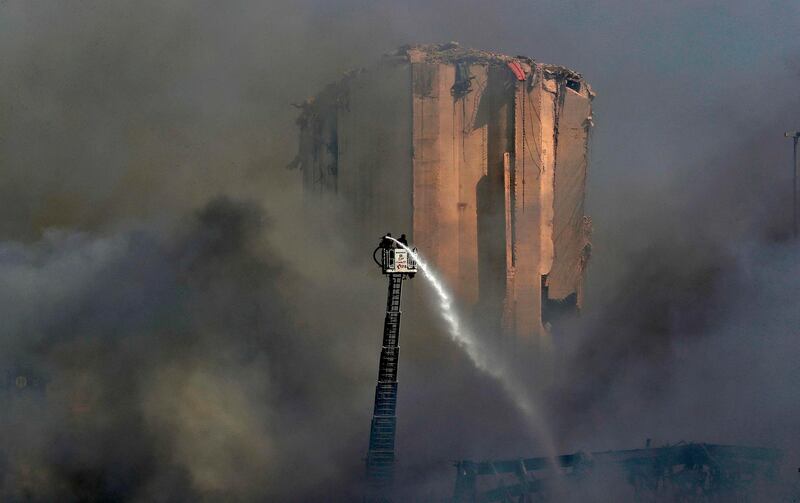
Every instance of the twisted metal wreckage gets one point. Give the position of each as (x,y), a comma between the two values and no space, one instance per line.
(686,472)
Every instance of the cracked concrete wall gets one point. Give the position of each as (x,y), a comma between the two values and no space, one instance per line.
(374,141)
(481,158)
(435,192)
(470,163)
(530,183)
(570,231)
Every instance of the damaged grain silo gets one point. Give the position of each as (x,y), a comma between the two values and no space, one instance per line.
(482,156)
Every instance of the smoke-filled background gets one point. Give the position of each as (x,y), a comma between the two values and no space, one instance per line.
(193,331)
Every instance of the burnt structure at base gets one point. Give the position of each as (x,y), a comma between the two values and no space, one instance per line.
(482,156)
(692,472)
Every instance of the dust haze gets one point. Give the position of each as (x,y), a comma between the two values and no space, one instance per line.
(197,330)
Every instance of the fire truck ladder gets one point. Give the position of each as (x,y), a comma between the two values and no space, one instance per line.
(380,457)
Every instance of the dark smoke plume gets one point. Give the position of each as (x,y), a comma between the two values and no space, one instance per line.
(168,367)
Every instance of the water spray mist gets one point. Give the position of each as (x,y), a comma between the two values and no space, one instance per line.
(482,357)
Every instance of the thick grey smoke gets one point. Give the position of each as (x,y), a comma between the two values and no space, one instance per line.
(182,345)
(169,367)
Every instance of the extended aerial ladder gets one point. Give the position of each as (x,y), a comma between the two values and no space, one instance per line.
(398,264)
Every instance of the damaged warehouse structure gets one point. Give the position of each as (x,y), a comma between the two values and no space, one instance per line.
(482,156)
(686,472)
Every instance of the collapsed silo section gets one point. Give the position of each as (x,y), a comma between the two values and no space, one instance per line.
(481,157)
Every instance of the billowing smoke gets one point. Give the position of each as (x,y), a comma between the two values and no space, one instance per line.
(168,365)
(177,326)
